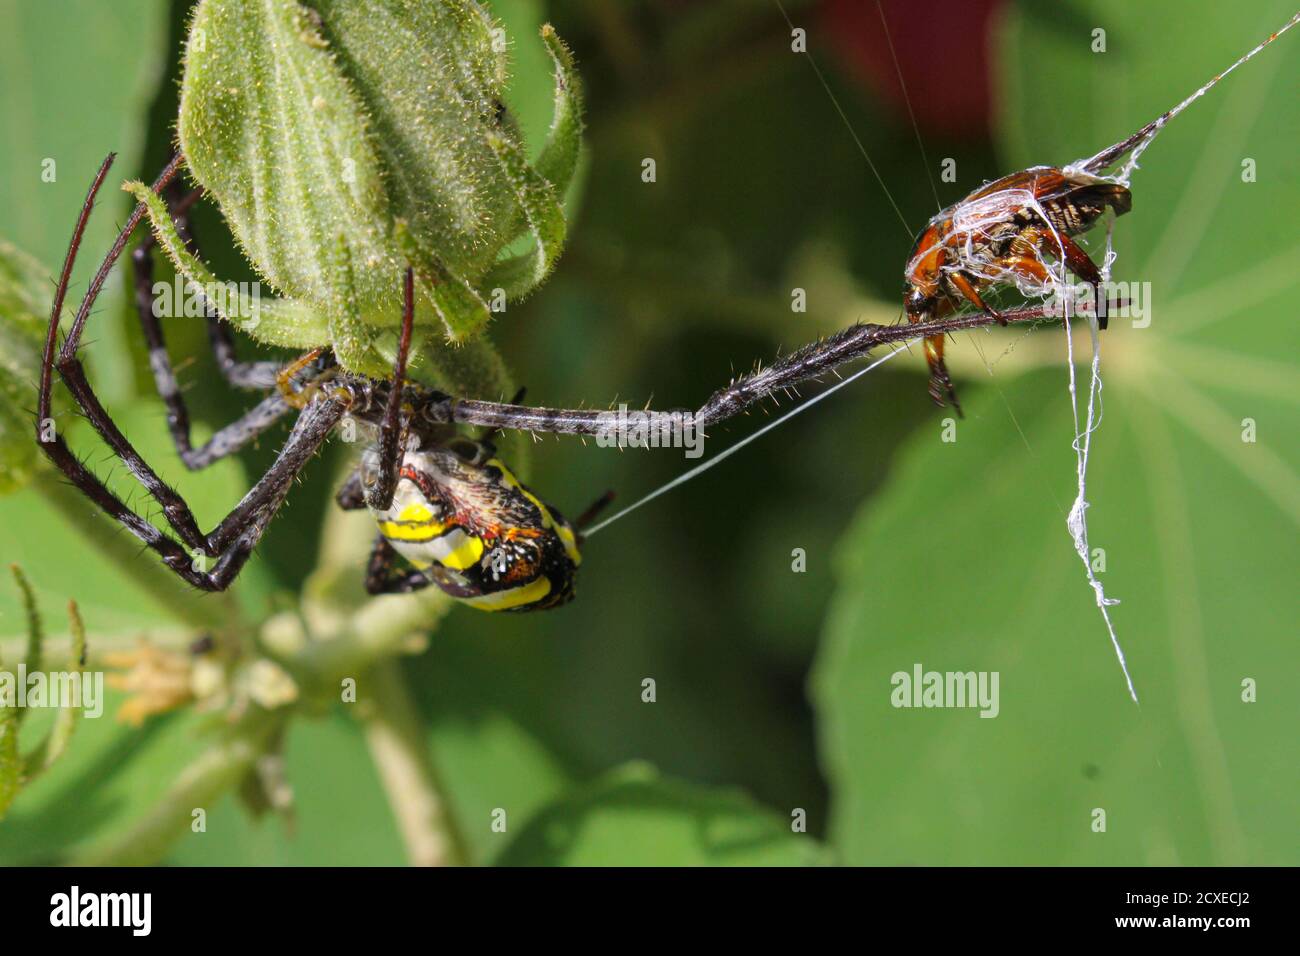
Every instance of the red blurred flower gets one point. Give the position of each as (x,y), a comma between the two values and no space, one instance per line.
(943,53)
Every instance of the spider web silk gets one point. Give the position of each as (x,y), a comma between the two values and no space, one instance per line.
(732,449)
(981,223)
(1077,520)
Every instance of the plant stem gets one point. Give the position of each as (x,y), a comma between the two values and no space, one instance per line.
(398,745)
(199,786)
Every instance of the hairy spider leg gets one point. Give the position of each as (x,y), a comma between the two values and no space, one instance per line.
(259,375)
(234,436)
(380,495)
(808,363)
(232,541)
(593,511)
(490,433)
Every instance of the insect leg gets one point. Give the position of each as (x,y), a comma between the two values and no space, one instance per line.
(967,288)
(1081,264)
(942,391)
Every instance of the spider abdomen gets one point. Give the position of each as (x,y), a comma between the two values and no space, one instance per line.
(462,519)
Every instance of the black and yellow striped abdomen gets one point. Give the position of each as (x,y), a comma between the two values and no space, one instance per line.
(479,534)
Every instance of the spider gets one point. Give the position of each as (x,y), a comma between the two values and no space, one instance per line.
(442,501)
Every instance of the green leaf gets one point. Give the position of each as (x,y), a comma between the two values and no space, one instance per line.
(276,133)
(538,200)
(963,563)
(282,322)
(461,310)
(35,632)
(113,774)
(430,80)
(11,762)
(25,300)
(17,770)
(557,162)
(64,113)
(308,124)
(56,741)
(515,276)
(559,157)
(352,342)
(632,817)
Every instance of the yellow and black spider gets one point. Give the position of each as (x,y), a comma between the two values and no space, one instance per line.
(442,501)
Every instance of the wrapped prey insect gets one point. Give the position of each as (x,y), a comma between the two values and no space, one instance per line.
(1007,230)
(1003,231)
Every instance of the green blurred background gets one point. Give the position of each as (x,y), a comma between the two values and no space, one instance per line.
(773,687)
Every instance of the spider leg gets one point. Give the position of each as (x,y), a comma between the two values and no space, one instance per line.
(253,375)
(380,497)
(382,577)
(490,434)
(231,438)
(352,496)
(234,538)
(808,363)
(236,435)
(593,510)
